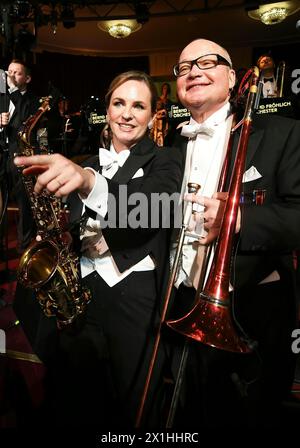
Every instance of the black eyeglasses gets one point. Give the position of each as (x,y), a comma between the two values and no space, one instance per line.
(203,62)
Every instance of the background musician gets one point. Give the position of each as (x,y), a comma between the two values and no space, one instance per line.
(16,105)
(164,100)
(244,390)
(266,65)
(160,124)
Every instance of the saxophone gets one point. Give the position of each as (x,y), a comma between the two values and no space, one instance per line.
(48,266)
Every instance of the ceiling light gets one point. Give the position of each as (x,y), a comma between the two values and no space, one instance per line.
(273,13)
(119,28)
(273,16)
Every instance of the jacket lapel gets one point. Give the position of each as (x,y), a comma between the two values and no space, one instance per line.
(254,141)
(141,154)
(17,100)
(255,138)
(22,109)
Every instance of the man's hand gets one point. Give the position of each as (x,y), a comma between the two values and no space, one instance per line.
(213,214)
(4,119)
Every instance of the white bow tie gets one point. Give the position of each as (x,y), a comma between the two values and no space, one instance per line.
(192,130)
(107,158)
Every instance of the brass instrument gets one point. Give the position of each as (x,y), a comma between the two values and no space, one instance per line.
(160,126)
(49,266)
(192,188)
(210,321)
(280,72)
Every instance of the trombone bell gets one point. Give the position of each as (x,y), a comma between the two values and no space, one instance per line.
(210,322)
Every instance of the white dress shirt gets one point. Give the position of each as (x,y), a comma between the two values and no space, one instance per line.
(100,258)
(204,160)
(269,89)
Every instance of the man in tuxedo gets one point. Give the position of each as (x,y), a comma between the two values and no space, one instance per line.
(266,65)
(16,105)
(243,389)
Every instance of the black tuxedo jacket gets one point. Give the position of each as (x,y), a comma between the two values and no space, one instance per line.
(25,105)
(269,232)
(162,174)
(162,171)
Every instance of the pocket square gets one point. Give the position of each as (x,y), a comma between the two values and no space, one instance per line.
(139,173)
(251,174)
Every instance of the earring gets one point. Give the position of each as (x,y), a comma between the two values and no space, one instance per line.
(150,124)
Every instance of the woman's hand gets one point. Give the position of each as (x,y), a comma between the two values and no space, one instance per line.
(212,215)
(4,119)
(57,174)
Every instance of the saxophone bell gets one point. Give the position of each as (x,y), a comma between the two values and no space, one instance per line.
(41,268)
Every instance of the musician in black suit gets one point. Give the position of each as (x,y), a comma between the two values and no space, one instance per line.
(266,64)
(15,107)
(124,253)
(224,388)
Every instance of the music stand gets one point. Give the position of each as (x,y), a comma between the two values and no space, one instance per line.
(4,152)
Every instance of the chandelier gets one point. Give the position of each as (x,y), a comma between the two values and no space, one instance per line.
(119,28)
(273,16)
(273,13)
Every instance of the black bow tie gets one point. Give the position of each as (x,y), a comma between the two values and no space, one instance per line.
(268,79)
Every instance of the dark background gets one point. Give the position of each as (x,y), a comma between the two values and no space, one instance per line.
(79,77)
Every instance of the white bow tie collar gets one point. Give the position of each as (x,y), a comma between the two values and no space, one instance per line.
(107,158)
(192,130)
